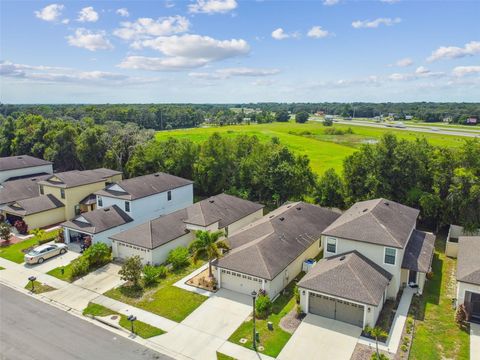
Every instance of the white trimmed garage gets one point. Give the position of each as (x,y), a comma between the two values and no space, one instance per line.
(239,282)
(337,309)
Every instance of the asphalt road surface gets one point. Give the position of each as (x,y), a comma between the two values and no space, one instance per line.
(33,330)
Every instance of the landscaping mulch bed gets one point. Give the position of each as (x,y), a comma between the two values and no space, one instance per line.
(202,281)
(364,352)
(291,321)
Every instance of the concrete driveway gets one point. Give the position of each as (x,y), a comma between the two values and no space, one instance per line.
(321,337)
(474,341)
(52,263)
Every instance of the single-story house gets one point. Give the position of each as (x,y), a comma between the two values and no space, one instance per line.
(16,167)
(37,212)
(468,276)
(98,224)
(269,253)
(154,239)
(346,287)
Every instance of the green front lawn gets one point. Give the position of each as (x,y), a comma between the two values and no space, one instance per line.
(15,252)
(2,268)
(66,275)
(221,356)
(437,336)
(141,329)
(164,298)
(38,287)
(274,340)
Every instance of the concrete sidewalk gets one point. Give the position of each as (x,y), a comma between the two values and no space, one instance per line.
(474,341)
(395,335)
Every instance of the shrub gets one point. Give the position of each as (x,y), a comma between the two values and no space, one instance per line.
(299,311)
(150,275)
(301,117)
(404,348)
(296,293)
(5,232)
(377,357)
(98,254)
(429,275)
(21,227)
(263,306)
(327,122)
(60,237)
(80,267)
(178,257)
(162,271)
(461,314)
(131,270)
(334,131)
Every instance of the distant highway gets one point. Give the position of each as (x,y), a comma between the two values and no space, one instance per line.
(442,131)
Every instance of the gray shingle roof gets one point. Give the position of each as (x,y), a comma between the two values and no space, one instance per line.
(378,221)
(34,205)
(349,276)
(75,178)
(419,252)
(146,185)
(16,190)
(468,262)
(267,246)
(99,220)
(164,229)
(21,162)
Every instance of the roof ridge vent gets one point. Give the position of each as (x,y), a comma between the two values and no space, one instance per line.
(364,210)
(299,208)
(282,218)
(211,201)
(106,209)
(342,258)
(156,174)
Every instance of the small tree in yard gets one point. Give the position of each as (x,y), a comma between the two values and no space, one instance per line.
(98,254)
(263,305)
(5,233)
(327,122)
(376,333)
(131,270)
(301,117)
(178,257)
(207,244)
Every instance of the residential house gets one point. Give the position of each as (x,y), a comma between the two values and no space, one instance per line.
(269,253)
(468,276)
(371,251)
(16,167)
(133,201)
(153,240)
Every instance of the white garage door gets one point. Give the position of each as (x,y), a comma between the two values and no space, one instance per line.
(126,250)
(336,309)
(238,282)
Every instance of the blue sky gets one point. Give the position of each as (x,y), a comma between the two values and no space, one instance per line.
(230,51)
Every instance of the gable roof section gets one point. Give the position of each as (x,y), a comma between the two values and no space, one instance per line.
(468,262)
(75,178)
(267,246)
(99,220)
(142,186)
(34,205)
(419,252)
(21,162)
(379,221)
(16,190)
(166,228)
(350,276)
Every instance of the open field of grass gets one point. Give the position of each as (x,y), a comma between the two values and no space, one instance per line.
(325,151)
(437,336)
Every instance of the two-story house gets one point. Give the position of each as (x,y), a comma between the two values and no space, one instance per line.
(370,252)
(126,203)
(16,167)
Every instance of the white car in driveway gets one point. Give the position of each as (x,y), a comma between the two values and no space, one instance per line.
(43,252)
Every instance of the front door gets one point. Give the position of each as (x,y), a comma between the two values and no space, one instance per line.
(412,277)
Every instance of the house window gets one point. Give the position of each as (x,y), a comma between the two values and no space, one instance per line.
(62,193)
(99,201)
(169,195)
(77,209)
(390,255)
(41,190)
(127,206)
(331,245)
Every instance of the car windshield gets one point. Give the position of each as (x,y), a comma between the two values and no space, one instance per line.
(33,253)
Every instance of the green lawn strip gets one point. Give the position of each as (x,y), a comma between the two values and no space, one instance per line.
(437,336)
(221,356)
(15,252)
(67,272)
(38,287)
(164,298)
(141,329)
(274,340)
(2,268)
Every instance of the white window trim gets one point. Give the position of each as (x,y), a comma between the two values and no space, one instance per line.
(385,253)
(326,244)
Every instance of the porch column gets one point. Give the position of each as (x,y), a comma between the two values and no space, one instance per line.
(219,277)
(263,284)
(307,300)
(66,235)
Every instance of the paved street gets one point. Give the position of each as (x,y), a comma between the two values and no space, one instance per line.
(30,329)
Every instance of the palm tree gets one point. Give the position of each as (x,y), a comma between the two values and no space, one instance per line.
(206,244)
(377,332)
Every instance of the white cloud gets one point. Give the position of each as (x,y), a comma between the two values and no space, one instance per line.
(123,12)
(87,14)
(169,4)
(317,32)
(421,72)
(161,64)
(65,21)
(227,73)
(454,52)
(372,24)
(461,71)
(89,40)
(212,6)
(148,27)
(390,1)
(280,34)
(50,12)
(404,62)
(330,2)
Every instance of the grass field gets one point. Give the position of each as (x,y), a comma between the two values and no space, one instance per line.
(325,151)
